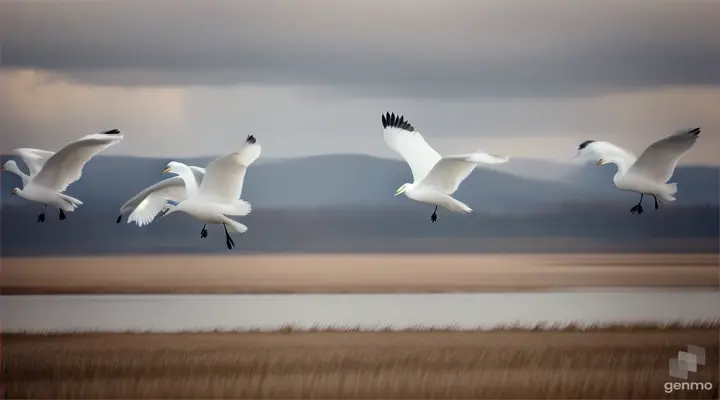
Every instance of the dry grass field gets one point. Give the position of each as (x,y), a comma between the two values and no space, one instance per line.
(353,273)
(620,363)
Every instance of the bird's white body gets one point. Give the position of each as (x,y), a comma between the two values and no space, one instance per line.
(425,194)
(435,178)
(145,205)
(49,177)
(215,212)
(218,195)
(50,197)
(649,173)
(634,183)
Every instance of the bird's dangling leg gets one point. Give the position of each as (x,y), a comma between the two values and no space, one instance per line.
(228,240)
(203,231)
(433,217)
(638,208)
(41,217)
(656,203)
(160,214)
(61,215)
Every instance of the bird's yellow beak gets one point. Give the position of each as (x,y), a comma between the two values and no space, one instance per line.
(600,162)
(165,171)
(2,168)
(13,192)
(400,190)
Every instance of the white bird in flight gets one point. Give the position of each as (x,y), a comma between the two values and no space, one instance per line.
(61,169)
(649,173)
(33,158)
(146,205)
(435,178)
(219,193)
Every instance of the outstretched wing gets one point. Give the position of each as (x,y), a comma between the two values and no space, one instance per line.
(658,161)
(151,200)
(33,158)
(401,137)
(448,173)
(65,166)
(224,177)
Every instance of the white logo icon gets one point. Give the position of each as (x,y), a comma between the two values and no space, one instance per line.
(687,361)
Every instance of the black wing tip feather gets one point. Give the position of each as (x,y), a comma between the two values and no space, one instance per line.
(694,131)
(396,121)
(585,144)
(112,132)
(251,139)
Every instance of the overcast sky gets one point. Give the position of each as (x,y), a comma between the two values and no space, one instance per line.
(524,78)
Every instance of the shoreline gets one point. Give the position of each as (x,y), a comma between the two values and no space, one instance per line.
(354,273)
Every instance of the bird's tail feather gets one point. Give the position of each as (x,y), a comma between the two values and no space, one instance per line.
(671,189)
(241,208)
(72,203)
(458,206)
(234,226)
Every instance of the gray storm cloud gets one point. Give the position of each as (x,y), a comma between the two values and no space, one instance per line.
(391,48)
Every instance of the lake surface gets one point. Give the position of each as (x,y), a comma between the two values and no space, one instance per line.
(164,313)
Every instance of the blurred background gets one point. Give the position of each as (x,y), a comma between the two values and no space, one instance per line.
(550,288)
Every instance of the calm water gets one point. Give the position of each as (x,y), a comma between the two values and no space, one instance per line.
(183,312)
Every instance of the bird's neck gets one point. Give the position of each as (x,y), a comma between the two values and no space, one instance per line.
(622,166)
(191,186)
(15,170)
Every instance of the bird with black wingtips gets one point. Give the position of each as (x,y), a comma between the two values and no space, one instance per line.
(218,195)
(649,173)
(63,168)
(149,204)
(435,178)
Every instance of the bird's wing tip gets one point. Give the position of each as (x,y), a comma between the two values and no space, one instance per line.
(251,139)
(390,120)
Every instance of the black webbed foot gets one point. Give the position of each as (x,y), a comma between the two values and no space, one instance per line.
(433,217)
(61,215)
(637,209)
(203,233)
(41,217)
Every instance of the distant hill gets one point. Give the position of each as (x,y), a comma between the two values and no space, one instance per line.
(346,203)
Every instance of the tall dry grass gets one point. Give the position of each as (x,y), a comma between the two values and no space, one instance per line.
(601,363)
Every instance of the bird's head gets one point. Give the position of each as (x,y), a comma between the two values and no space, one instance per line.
(404,188)
(172,167)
